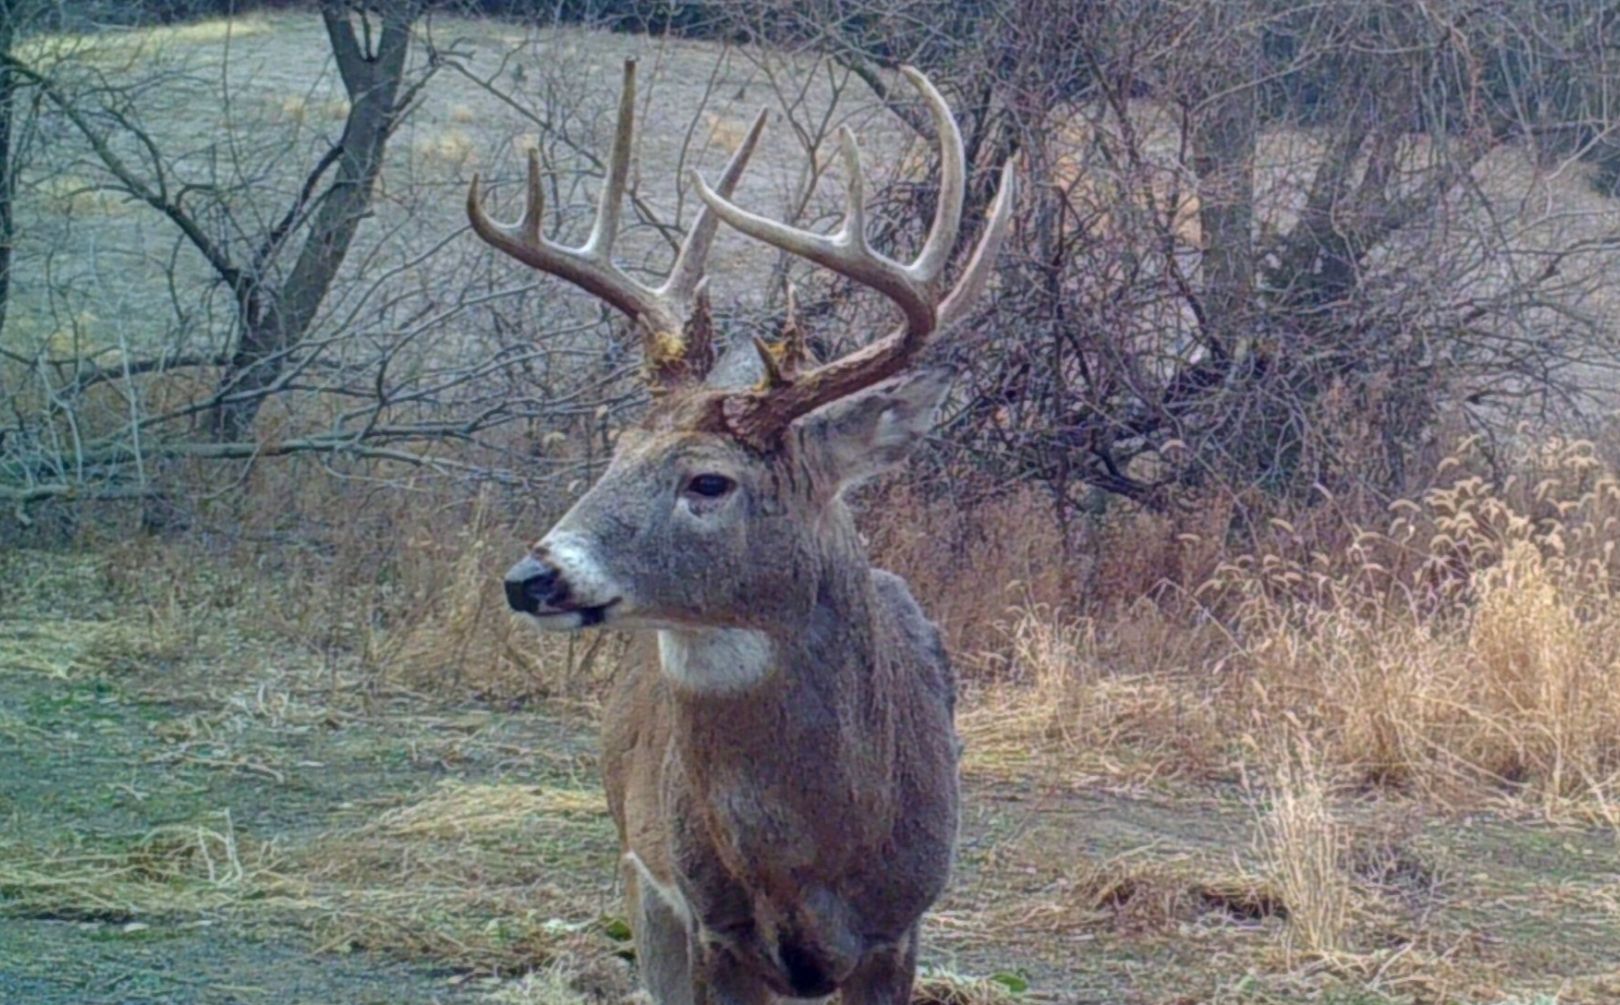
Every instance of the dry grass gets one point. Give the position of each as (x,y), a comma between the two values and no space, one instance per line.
(67,649)
(555,984)
(128,48)
(492,878)
(944,987)
(452,149)
(1151,891)
(1109,700)
(461,637)
(724,131)
(205,32)
(1468,649)
(299,108)
(1461,652)
(461,810)
(971,567)
(180,869)
(70,195)
(1305,849)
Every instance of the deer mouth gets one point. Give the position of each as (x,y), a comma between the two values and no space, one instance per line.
(575,616)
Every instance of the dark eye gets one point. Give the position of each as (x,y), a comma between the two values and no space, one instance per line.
(710,486)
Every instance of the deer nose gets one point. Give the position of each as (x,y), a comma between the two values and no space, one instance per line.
(532,584)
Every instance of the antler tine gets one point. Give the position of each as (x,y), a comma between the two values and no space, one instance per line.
(660,312)
(983,261)
(936,252)
(914,288)
(694,253)
(852,234)
(611,199)
(590,265)
(534,201)
(761,415)
(846,252)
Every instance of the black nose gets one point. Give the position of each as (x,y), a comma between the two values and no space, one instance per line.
(532,584)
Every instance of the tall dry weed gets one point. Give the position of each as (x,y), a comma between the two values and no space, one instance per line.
(1103,697)
(1547,683)
(1468,647)
(973,566)
(1304,848)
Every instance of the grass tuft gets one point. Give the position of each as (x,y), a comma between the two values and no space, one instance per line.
(451,149)
(1304,850)
(459,809)
(936,986)
(490,877)
(1073,693)
(174,870)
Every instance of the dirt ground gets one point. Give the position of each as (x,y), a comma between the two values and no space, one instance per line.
(192,812)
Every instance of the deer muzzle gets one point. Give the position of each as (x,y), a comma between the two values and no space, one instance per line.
(560,586)
(532,585)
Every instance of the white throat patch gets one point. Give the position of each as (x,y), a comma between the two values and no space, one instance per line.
(714,660)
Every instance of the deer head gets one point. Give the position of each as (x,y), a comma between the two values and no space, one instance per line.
(718,507)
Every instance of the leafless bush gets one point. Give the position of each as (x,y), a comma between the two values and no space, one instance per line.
(1270,250)
(227,261)
(1265,257)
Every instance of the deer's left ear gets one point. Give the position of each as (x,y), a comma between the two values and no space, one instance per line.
(861,435)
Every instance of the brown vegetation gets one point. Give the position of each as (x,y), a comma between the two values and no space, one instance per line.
(1455,656)
(1324,695)
(1461,648)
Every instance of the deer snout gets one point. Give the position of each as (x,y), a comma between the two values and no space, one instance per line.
(532,584)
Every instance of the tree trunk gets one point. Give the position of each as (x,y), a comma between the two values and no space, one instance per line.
(8,186)
(1223,149)
(274,322)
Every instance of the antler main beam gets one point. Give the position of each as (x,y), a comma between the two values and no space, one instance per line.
(916,288)
(662,311)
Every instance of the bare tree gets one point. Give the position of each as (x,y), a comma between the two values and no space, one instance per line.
(196,301)
(275,307)
(1279,247)
(1265,248)
(15,18)
(276,318)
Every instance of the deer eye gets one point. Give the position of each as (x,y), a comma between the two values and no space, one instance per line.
(710,486)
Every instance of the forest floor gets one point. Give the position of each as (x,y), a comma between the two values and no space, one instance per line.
(193,811)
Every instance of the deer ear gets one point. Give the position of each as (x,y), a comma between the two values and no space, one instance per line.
(861,435)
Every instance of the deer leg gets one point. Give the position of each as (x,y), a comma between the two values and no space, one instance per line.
(884,978)
(720,979)
(661,943)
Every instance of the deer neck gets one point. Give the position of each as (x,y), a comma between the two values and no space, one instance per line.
(716,662)
(817,688)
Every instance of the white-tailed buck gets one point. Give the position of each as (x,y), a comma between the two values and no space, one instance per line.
(784,773)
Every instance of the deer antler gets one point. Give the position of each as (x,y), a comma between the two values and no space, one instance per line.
(672,316)
(761,415)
